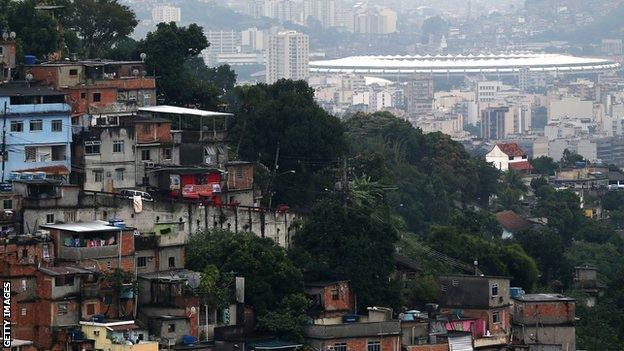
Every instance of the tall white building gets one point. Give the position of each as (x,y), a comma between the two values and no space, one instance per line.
(374,20)
(253,39)
(166,14)
(283,10)
(288,56)
(221,42)
(323,11)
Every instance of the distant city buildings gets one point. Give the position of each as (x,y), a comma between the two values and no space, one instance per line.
(374,20)
(288,56)
(165,13)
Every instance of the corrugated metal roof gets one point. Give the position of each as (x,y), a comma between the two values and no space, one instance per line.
(83,227)
(175,110)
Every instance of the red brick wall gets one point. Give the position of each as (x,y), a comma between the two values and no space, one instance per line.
(388,343)
(235,183)
(153,132)
(46,75)
(438,347)
(345,302)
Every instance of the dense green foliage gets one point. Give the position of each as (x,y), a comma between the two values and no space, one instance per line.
(36,31)
(273,284)
(284,116)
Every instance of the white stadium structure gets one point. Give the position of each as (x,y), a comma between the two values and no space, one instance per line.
(489,64)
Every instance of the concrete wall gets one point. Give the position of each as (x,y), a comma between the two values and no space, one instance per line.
(278,226)
(549,335)
(468,291)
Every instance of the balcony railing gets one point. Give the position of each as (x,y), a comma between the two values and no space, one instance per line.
(81,253)
(349,330)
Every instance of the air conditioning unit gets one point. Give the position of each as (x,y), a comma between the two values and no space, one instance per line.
(148,164)
(208,160)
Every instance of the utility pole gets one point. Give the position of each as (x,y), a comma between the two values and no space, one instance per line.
(345,183)
(4,152)
(274,175)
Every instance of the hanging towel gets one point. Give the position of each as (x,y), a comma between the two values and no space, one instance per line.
(137,201)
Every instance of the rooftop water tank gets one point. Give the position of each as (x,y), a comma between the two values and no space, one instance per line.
(30,59)
(189,340)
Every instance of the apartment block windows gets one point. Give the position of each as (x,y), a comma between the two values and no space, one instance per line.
(36,125)
(341,346)
(494,290)
(97,176)
(50,218)
(119,175)
(97,97)
(57,125)
(373,346)
(145,155)
(141,261)
(496,317)
(17,126)
(167,153)
(30,154)
(92,147)
(118,146)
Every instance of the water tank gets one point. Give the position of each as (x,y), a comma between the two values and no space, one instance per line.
(516,292)
(189,340)
(39,175)
(30,59)
(26,175)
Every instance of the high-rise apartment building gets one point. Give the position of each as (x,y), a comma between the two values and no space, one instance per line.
(323,11)
(252,39)
(283,10)
(221,42)
(166,14)
(288,56)
(374,20)
(419,95)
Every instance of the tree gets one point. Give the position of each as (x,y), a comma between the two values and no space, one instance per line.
(563,211)
(282,121)
(36,31)
(546,248)
(570,158)
(537,183)
(353,242)
(214,287)
(544,165)
(101,23)
(513,179)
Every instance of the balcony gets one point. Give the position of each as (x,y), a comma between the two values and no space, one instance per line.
(82,253)
(493,340)
(351,330)
(193,136)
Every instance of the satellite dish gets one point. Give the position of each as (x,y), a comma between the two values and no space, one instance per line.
(193,310)
(12,35)
(193,280)
(135,72)
(143,56)
(29,77)
(5,36)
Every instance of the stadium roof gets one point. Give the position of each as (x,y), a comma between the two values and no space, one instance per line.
(509,63)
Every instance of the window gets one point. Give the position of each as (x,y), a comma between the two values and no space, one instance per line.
(59,152)
(494,290)
(92,147)
(167,154)
(97,176)
(57,125)
(7,204)
(62,309)
(455,282)
(335,294)
(496,317)
(171,328)
(30,153)
(97,97)
(141,261)
(145,155)
(373,346)
(83,95)
(50,218)
(46,251)
(96,333)
(118,146)
(23,311)
(17,126)
(23,284)
(341,346)
(171,262)
(119,175)
(36,125)
(524,157)
(73,72)
(64,280)
(91,309)
(239,173)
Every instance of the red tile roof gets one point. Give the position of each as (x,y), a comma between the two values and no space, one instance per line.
(511,149)
(512,222)
(521,166)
